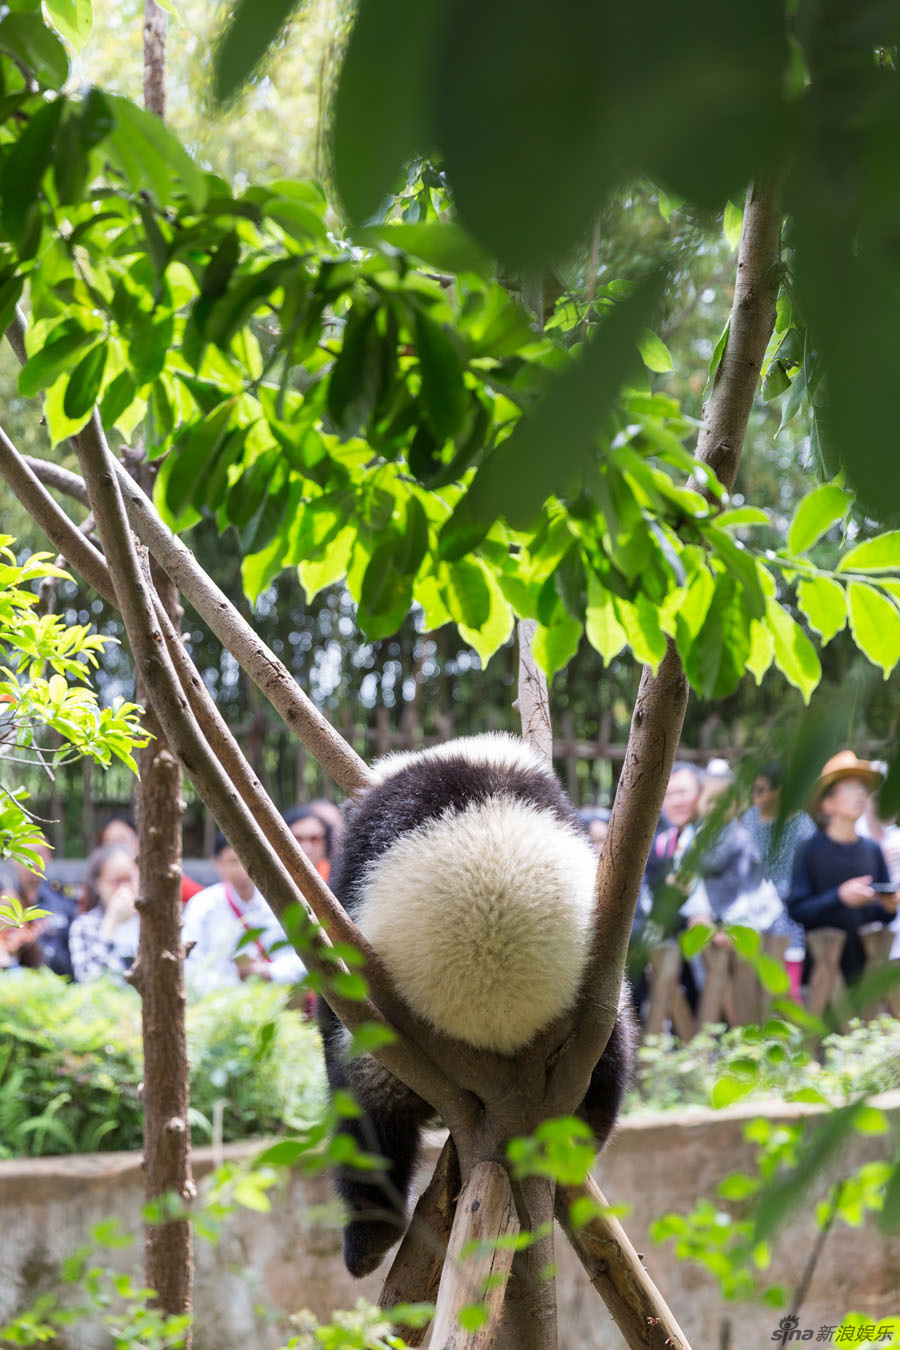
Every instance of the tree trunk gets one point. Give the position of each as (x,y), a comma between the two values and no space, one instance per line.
(158,973)
(159,977)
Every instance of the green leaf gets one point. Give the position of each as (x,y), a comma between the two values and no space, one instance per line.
(355,381)
(151,157)
(555,647)
(497,627)
(286,1153)
(253,27)
(795,655)
(654,352)
(824,604)
(443,390)
(719,351)
(869,1120)
(881,554)
(441,243)
(718,655)
(776,382)
(694,939)
(817,513)
(771,973)
(728,1089)
(468,596)
(604,632)
(385,588)
(732,223)
(193,457)
(553,445)
(42,369)
(84,382)
(386,68)
(762,650)
(472,1316)
(28,39)
(640,620)
(414,543)
(10,292)
(73,18)
(26,165)
(875,625)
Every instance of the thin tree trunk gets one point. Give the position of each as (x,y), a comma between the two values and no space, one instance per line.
(159,977)
(158,974)
(154,58)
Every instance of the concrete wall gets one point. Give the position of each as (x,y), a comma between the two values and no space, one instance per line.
(267,1265)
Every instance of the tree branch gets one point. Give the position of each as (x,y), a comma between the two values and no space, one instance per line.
(662,699)
(637,1307)
(725,417)
(260,663)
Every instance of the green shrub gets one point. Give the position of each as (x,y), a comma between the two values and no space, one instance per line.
(719,1066)
(71,1065)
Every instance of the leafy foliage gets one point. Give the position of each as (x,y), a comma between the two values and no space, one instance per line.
(769,1061)
(33,703)
(71,1061)
(359,418)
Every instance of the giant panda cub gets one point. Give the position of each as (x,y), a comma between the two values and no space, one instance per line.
(465,867)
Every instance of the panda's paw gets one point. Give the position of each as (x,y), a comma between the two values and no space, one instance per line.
(365,1243)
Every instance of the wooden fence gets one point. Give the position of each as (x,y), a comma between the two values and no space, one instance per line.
(731,992)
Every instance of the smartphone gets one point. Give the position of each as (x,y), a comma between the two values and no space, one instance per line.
(885,887)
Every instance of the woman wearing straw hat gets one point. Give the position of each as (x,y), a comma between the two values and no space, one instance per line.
(836,872)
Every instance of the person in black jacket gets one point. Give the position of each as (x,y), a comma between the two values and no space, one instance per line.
(835,870)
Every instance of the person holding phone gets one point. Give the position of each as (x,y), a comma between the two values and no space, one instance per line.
(841,880)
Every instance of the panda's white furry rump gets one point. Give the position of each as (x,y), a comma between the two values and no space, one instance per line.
(466,869)
(476,952)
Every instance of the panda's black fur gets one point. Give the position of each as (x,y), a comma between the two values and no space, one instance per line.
(451,850)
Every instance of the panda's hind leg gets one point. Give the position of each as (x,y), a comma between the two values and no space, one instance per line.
(389,1127)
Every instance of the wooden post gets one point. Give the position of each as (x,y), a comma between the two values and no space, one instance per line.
(877,941)
(667,998)
(717,962)
(826,986)
(743,1001)
(484,1212)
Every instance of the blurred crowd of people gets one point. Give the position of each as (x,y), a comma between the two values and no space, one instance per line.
(229,930)
(715,859)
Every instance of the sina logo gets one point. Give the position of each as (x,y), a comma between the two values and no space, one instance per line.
(789,1330)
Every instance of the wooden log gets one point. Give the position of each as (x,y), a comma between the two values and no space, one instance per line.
(485,1211)
(743,1003)
(615,1270)
(667,998)
(415,1273)
(877,941)
(826,985)
(717,963)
